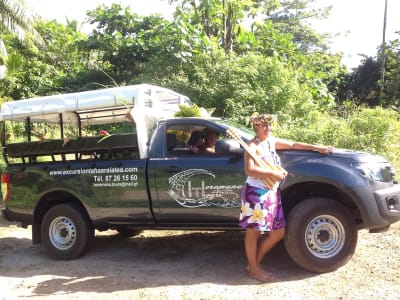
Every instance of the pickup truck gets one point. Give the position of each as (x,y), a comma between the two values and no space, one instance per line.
(140,174)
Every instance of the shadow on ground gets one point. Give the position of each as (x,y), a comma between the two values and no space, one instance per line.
(145,261)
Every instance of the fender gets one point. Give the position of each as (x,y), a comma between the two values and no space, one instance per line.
(331,174)
(305,166)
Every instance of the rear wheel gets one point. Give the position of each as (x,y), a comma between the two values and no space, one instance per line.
(321,235)
(66,233)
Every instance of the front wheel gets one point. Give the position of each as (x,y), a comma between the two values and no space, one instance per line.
(66,232)
(321,235)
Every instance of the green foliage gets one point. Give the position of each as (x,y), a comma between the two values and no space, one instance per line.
(365,86)
(237,86)
(63,49)
(49,70)
(124,42)
(375,130)
(291,17)
(391,84)
(322,72)
(361,86)
(218,20)
(188,111)
(18,20)
(34,77)
(270,42)
(14,64)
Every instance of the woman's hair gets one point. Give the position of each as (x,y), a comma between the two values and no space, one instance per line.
(262,119)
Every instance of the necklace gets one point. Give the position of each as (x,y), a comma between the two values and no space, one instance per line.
(264,144)
(268,152)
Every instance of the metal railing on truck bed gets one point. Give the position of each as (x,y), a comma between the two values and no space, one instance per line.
(94,147)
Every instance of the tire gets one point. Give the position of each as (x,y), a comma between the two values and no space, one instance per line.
(321,235)
(65,231)
(128,233)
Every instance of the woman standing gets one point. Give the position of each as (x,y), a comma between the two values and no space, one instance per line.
(261,206)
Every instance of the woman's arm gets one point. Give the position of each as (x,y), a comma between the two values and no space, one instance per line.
(253,170)
(284,144)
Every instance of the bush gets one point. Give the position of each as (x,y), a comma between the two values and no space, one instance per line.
(375,130)
(238,86)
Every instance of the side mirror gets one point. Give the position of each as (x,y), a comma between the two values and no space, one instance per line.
(228,146)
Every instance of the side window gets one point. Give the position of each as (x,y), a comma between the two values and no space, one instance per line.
(187,140)
(193,140)
(177,141)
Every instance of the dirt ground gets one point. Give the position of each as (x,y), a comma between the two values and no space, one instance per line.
(189,265)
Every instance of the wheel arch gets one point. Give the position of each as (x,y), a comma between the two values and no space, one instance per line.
(299,192)
(48,201)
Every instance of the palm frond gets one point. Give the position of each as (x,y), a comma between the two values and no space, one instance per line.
(17,19)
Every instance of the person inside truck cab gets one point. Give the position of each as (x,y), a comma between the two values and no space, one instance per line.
(203,142)
(195,141)
(210,139)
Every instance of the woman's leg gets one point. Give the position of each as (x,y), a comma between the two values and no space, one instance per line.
(251,249)
(269,242)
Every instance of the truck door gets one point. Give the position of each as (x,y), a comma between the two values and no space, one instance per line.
(195,188)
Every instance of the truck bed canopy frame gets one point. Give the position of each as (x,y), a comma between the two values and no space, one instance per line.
(143,103)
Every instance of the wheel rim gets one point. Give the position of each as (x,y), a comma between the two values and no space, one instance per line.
(325,236)
(62,233)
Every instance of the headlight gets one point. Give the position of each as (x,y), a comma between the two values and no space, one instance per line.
(376,171)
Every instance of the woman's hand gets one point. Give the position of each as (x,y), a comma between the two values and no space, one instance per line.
(324,149)
(278,175)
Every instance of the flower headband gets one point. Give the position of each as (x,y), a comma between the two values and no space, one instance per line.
(262,119)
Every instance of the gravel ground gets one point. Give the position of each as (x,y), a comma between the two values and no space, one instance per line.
(189,265)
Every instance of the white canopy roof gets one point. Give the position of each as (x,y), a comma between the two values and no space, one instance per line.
(94,107)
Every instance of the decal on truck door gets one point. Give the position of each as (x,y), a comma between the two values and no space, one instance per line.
(191,188)
(104,177)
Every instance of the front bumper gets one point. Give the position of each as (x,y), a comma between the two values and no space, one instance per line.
(388,201)
(374,206)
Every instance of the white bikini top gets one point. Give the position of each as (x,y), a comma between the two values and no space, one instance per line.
(269,154)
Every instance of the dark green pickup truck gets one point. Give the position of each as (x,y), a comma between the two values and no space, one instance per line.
(146,177)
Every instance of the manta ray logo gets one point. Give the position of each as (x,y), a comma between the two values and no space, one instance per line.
(190,189)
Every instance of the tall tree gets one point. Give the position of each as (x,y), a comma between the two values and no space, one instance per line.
(366,85)
(220,20)
(231,22)
(361,86)
(390,86)
(383,54)
(294,16)
(124,42)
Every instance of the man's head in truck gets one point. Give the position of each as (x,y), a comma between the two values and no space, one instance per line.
(210,138)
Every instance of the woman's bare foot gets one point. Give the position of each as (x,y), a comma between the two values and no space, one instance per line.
(260,275)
